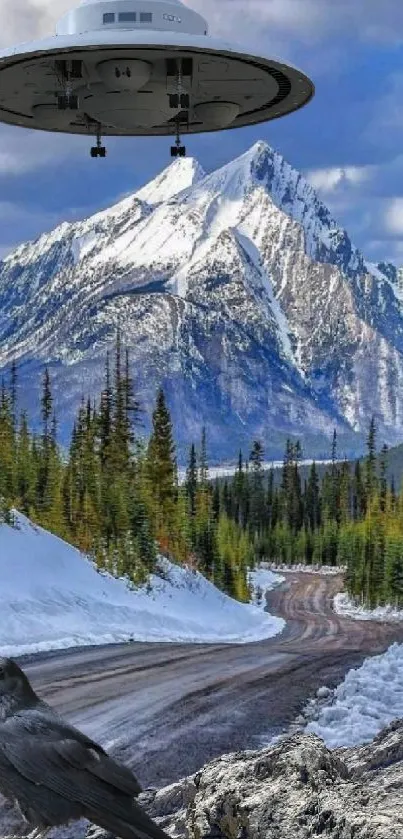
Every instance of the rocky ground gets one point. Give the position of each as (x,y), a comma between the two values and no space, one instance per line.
(293,790)
(169,711)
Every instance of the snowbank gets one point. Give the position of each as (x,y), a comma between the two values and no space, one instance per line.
(260,581)
(51,597)
(307,569)
(368,699)
(344,606)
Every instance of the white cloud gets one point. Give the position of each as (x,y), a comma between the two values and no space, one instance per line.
(23,151)
(329,179)
(393,219)
(24,20)
(307,20)
(272,23)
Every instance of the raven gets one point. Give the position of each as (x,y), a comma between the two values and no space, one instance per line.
(55,774)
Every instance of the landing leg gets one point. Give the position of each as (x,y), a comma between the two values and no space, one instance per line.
(178,150)
(99,150)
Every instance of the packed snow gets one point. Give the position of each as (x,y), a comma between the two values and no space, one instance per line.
(52,597)
(368,699)
(261,580)
(343,605)
(307,569)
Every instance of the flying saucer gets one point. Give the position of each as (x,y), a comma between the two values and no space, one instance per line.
(142,67)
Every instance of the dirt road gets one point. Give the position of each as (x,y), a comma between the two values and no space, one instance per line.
(166,709)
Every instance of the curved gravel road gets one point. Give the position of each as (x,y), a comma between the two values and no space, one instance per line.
(166,709)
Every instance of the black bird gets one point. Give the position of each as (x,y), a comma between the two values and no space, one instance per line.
(55,774)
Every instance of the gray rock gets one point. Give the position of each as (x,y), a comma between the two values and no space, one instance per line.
(323,693)
(296,789)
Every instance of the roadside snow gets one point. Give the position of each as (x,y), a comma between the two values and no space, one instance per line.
(307,569)
(262,580)
(51,597)
(344,606)
(368,699)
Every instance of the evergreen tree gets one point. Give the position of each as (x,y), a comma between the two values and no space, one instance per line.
(383,484)
(312,499)
(162,473)
(256,489)
(370,463)
(191,481)
(203,466)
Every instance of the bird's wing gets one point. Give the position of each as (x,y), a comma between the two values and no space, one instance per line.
(80,775)
(36,727)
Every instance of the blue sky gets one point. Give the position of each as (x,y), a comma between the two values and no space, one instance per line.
(348,141)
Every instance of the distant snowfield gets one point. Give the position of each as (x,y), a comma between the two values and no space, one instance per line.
(230,468)
(52,597)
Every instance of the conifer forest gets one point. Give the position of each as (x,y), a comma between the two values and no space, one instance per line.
(118,499)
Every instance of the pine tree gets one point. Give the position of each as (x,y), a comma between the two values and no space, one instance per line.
(334,512)
(359,495)
(13,392)
(383,484)
(370,463)
(203,466)
(7,450)
(162,473)
(192,481)
(256,489)
(105,416)
(312,499)
(46,409)
(25,470)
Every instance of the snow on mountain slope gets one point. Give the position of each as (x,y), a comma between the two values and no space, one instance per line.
(236,290)
(181,174)
(51,597)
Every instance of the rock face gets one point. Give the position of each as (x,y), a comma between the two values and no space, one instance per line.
(237,291)
(296,789)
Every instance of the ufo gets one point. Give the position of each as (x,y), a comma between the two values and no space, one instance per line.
(142,68)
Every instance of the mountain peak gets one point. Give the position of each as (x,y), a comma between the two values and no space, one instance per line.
(179,175)
(237,290)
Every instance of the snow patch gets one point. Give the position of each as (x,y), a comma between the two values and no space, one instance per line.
(307,569)
(260,581)
(181,174)
(368,699)
(343,605)
(52,597)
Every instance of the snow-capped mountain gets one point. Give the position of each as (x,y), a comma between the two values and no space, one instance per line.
(236,290)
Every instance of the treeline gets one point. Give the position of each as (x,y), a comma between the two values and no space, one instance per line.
(112,495)
(118,498)
(352,518)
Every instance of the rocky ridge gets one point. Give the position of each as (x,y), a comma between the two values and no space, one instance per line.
(295,789)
